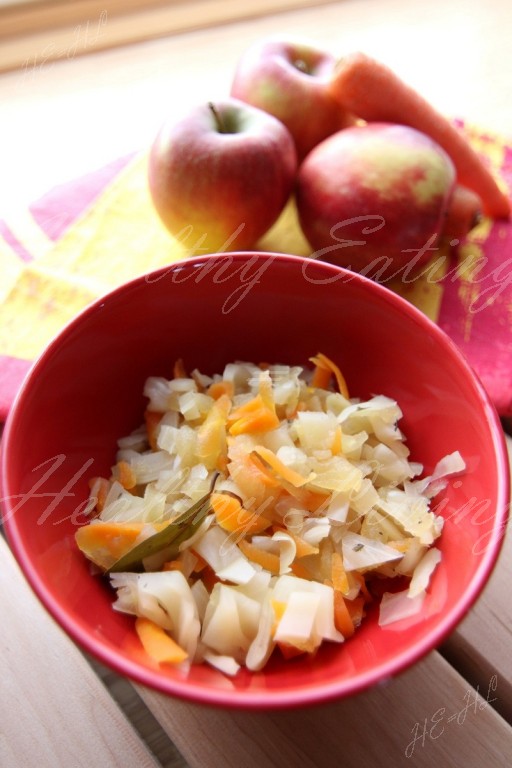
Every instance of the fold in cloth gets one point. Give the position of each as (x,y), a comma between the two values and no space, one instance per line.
(86,237)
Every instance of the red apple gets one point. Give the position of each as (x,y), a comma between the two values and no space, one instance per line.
(222,175)
(292,81)
(375,197)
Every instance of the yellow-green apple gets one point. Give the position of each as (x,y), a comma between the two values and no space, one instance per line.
(222,174)
(375,196)
(291,79)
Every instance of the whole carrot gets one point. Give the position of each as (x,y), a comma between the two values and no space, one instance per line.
(372,91)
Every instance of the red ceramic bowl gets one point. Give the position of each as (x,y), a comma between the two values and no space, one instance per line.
(85,391)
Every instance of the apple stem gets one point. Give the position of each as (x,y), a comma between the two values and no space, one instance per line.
(221,126)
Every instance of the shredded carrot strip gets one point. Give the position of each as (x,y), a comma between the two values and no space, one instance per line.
(265,475)
(356,609)
(209,578)
(173,565)
(301,406)
(400,545)
(253,417)
(102,489)
(125,475)
(323,362)
(266,393)
(339,575)
(234,518)
(311,500)
(267,560)
(290,651)
(221,465)
(105,542)
(211,435)
(152,419)
(201,562)
(362,584)
(247,409)
(179,371)
(279,609)
(342,619)
(315,500)
(280,469)
(157,643)
(303,547)
(219,388)
(321,375)
(299,570)
(337,442)
(261,421)
(250,466)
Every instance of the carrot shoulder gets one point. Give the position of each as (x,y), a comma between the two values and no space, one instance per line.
(373,92)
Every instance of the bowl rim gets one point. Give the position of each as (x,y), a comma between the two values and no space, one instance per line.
(305,694)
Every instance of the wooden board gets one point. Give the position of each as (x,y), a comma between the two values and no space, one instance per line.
(54,710)
(427,716)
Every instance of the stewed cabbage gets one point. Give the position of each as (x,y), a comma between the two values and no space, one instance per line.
(307,503)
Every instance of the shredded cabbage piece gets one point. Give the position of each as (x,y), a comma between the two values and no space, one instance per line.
(321,502)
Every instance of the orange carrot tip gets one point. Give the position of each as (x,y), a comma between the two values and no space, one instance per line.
(372,91)
(463,214)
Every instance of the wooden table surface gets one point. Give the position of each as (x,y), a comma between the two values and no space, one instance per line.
(59,708)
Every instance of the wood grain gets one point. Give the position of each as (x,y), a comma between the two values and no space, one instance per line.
(428,716)
(54,711)
(480,646)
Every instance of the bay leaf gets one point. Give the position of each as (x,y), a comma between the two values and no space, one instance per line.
(172,536)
